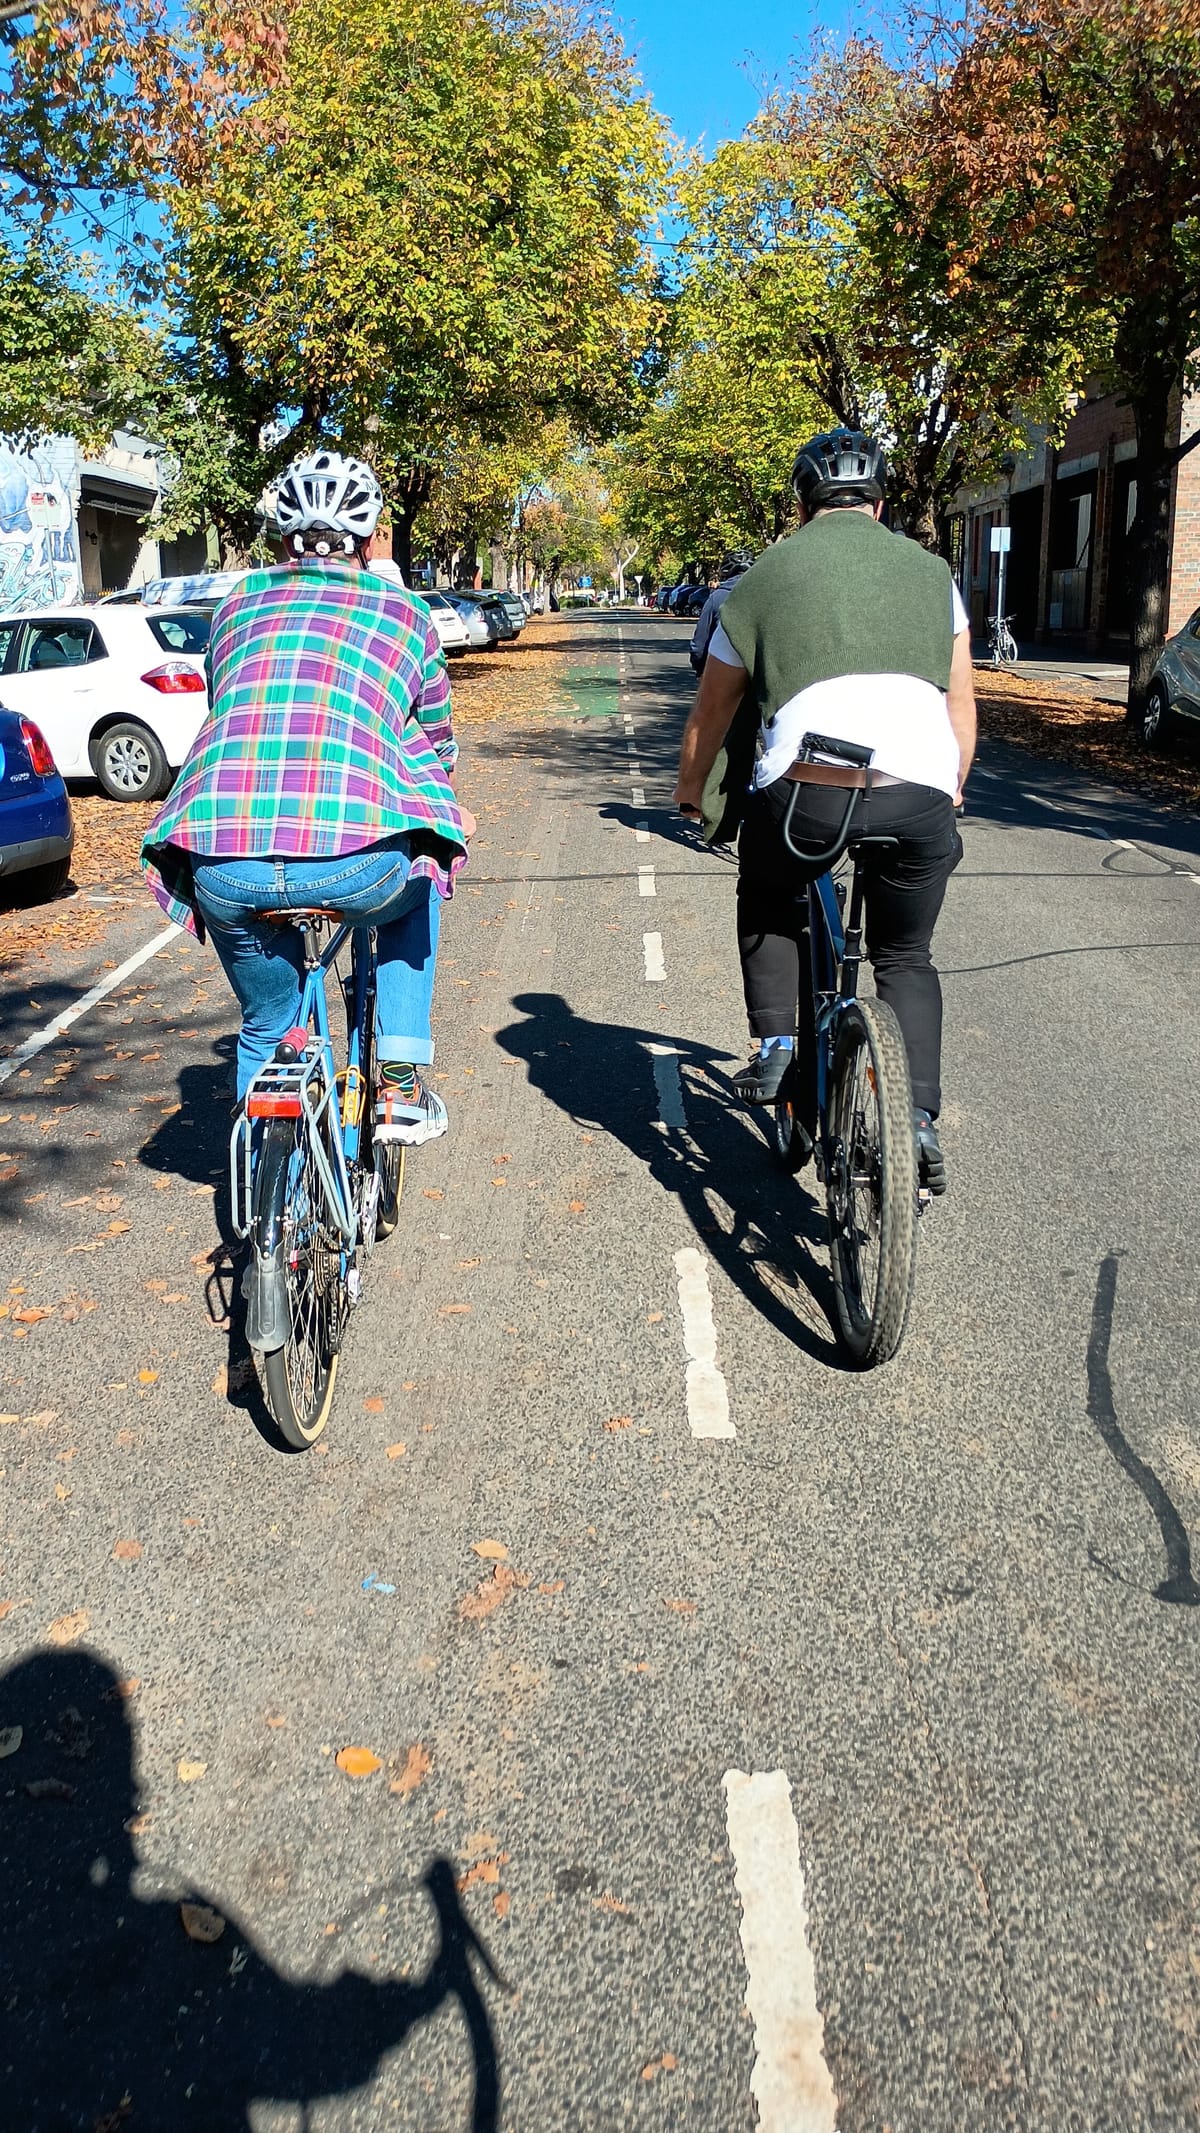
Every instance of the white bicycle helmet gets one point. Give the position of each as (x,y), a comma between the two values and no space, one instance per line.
(327,490)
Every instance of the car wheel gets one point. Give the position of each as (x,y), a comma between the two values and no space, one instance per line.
(1156,718)
(38,884)
(129,763)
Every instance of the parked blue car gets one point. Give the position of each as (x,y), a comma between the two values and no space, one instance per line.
(36,829)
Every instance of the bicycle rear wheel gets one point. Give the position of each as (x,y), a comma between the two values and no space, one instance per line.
(291,1221)
(871,1183)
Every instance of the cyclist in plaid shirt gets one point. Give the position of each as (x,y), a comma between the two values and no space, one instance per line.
(321,777)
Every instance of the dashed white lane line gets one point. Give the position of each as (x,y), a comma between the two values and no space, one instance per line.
(652,949)
(639,797)
(61,1023)
(646,885)
(668,1086)
(707,1394)
(642,833)
(790,2082)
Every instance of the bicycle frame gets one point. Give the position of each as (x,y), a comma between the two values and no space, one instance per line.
(835,947)
(308,1086)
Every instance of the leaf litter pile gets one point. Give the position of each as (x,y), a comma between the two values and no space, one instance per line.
(1087,732)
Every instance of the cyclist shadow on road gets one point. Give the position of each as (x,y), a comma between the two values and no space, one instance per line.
(111,2012)
(602,1074)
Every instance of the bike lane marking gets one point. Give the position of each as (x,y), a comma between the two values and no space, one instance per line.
(668,1086)
(646,886)
(62,1023)
(707,1393)
(790,2083)
(652,949)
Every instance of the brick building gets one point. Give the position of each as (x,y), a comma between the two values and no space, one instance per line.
(1070,511)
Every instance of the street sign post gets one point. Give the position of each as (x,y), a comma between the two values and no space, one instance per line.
(1001,544)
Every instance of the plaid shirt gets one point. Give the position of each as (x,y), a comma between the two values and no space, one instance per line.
(328,732)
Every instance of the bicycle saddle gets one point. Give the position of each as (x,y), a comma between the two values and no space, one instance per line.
(289,918)
(877,840)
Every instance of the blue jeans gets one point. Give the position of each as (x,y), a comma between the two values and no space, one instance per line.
(265,963)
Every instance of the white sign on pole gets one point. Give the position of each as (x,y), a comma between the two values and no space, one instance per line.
(1001,539)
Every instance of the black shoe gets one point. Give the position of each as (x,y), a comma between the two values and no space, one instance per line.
(931,1163)
(761,1082)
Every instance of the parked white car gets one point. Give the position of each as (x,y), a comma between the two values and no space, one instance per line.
(119,692)
(448,622)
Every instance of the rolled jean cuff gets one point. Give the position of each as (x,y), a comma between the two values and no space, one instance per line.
(404,1051)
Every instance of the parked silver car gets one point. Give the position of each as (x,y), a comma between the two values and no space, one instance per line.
(1174,692)
(479,636)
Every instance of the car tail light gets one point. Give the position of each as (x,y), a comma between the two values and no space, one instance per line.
(175,678)
(41,762)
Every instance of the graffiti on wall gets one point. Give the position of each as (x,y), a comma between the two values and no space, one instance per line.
(39,540)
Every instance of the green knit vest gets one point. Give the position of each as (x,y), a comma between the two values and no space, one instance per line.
(842,596)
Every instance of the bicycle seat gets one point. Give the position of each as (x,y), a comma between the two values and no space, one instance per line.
(290,918)
(878,841)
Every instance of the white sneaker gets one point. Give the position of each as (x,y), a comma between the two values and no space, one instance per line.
(410,1119)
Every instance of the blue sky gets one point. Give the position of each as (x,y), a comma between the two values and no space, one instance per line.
(708,63)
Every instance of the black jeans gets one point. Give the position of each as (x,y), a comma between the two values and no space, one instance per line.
(904,893)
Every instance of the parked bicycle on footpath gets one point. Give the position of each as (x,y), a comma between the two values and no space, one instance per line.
(313,1188)
(865,1149)
(1002,645)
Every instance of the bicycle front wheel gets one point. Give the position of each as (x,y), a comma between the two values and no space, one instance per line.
(871,1183)
(292,1221)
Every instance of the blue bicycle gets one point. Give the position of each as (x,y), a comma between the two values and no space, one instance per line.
(312,1189)
(865,1152)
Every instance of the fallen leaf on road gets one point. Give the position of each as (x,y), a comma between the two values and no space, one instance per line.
(127,1551)
(373,1406)
(666,2065)
(654,1318)
(68,1628)
(187,1772)
(31,1314)
(357,1762)
(10,1740)
(483,1870)
(175,1296)
(42,1419)
(453,1310)
(550,1590)
(619,1422)
(395,1451)
(609,1902)
(464,1265)
(499,1181)
(490,1593)
(147,1377)
(577,1206)
(123,1690)
(681,1607)
(491,1551)
(432,1193)
(417,1767)
(201,1923)
(62,1494)
(501,1903)
(117,1229)
(156,1288)
(107,1202)
(125,1437)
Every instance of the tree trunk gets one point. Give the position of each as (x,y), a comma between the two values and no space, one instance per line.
(412,491)
(1149,543)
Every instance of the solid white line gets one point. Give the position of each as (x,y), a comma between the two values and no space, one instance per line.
(790,2082)
(646,882)
(639,797)
(652,948)
(707,1395)
(642,833)
(1038,801)
(62,1023)
(668,1086)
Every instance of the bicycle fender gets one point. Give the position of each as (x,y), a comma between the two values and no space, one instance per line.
(265,1291)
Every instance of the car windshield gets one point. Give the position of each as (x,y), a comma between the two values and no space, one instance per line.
(181,631)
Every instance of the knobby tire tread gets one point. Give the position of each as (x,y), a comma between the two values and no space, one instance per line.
(874,1024)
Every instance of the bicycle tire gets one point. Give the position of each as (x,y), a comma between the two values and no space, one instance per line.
(871,1183)
(299,1378)
(386,1158)
(793,1148)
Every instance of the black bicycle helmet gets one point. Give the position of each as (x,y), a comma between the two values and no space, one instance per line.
(839,469)
(734,562)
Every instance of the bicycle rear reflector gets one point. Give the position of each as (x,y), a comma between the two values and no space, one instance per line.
(262,1103)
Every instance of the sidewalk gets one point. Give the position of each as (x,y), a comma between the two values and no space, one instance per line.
(1081,673)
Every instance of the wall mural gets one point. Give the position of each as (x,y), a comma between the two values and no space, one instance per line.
(39,539)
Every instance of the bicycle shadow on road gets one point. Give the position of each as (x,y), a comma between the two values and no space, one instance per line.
(193,1144)
(111,2012)
(602,1074)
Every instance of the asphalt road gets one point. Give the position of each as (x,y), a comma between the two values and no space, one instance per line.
(937,1617)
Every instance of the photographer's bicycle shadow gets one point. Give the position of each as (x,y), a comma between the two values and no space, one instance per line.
(110,2011)
(600,1074)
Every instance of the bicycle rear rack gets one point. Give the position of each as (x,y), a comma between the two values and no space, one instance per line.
(299,1089)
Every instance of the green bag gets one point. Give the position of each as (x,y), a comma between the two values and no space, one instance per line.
(726,789)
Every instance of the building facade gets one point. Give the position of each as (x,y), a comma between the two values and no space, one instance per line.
(73,528)
(1069,512)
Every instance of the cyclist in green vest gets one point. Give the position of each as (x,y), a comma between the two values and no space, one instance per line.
(846,630)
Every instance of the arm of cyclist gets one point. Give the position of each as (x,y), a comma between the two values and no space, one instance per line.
(433,712)
(960,702)
(722,687)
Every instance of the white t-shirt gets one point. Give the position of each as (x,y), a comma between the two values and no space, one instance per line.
(904,720)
